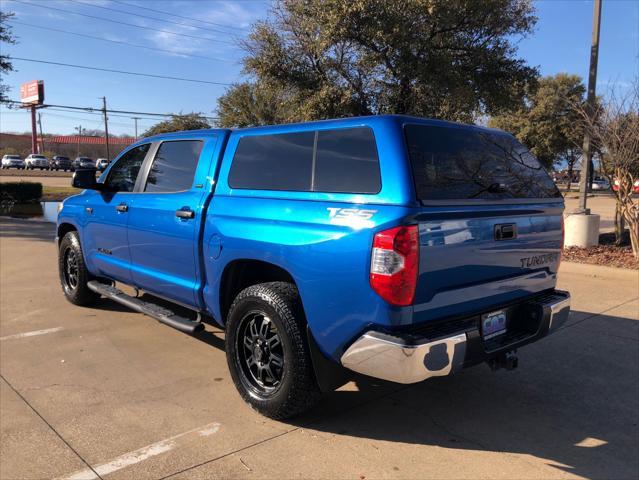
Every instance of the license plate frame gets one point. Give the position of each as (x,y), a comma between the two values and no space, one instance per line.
(494,324)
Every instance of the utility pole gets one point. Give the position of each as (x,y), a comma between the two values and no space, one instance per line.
(79,129)
(586,154)
(106,128)
(41,135)
(135,119)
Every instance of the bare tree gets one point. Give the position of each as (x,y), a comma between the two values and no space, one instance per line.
(614,130)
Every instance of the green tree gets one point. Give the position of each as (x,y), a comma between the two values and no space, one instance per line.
(189,121)
(247,104)
(452,59)
(6,36)
(549,121)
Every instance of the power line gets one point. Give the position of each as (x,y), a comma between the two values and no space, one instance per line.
(173,14)
(119,42)
(99,110)
(149,18)
(123,23)
(139,74)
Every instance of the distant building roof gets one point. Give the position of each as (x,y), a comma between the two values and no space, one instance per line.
(74,139)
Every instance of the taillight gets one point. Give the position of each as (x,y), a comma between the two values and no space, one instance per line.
(394,264)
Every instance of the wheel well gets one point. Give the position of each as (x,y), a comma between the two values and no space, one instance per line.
(240,274)
(63,229)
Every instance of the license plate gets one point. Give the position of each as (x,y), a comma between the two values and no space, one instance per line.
(493,324)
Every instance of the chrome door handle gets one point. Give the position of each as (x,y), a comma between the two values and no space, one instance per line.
(123,207)
(185,212)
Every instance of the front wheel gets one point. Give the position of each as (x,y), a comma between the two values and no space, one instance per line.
(267,352)
(73,272)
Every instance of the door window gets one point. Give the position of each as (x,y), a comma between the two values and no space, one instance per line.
(174,166)
(125,172)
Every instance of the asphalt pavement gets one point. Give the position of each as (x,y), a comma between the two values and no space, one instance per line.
(105,392)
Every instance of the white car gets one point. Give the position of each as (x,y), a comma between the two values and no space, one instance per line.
(600,184)
(101,164)
(37,161)
(12,161)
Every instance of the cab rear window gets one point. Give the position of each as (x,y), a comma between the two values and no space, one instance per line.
(451,163)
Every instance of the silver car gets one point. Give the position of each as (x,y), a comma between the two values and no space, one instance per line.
(12,161)
(600,184)
(37,161)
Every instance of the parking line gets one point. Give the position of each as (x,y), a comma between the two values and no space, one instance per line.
(31,334)
(141,454)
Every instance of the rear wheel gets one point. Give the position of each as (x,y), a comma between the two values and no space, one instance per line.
(73,272)
(267,351)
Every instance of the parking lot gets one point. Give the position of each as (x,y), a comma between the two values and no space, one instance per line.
(104,392)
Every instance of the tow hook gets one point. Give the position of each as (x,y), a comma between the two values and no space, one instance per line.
(507,360)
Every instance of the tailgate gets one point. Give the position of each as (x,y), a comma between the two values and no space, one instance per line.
(471,261)
(490,224)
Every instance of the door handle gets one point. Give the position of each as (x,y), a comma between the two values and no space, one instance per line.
(123,207)
(185,212)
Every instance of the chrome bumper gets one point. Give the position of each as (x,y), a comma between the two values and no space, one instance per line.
(395,359)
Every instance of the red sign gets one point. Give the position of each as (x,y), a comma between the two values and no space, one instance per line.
(32,93)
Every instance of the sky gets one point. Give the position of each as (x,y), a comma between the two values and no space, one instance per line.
(212,29)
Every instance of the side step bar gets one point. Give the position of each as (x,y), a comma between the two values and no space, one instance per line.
(161,314)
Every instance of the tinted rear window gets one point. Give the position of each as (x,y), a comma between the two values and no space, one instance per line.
(461,164)
(346,161)
(174,166)
(339,160)
(273,162)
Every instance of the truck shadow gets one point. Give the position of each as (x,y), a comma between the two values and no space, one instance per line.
(573,403)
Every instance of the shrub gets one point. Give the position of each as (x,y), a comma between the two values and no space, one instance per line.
(20,192)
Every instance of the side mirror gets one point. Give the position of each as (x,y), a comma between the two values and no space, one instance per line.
(84,178)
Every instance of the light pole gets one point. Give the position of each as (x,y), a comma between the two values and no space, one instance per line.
(586,154)
(135,119)
(79,129)
(582,227)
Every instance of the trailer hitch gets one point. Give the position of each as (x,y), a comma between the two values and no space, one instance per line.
(507,360)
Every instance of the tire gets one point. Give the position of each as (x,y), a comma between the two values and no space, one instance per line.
(275,311)
(73,272)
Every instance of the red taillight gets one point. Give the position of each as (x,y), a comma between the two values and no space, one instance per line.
(394,264)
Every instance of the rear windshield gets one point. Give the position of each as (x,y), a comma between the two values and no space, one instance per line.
(461,164)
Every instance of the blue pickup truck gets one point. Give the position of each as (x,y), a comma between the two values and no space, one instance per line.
(396,247)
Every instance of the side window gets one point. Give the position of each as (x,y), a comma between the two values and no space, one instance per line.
(123,174)
(346,161)
(273,162)
(174,166)
(333,161)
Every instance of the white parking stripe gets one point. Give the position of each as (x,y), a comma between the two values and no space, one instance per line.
(28,314)
(32,334)
(143,453)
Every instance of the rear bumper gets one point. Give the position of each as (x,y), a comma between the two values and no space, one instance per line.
(411,357)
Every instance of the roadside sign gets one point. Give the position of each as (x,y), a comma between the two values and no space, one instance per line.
(32,93)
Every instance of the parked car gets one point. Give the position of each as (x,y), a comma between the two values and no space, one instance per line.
(12,161)
(60,162)
(392,246)
(83,162)
(600,183)
(35,160)
(102,163)
(635,186)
